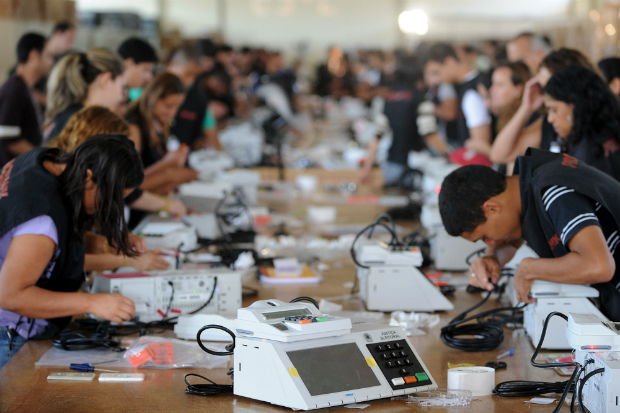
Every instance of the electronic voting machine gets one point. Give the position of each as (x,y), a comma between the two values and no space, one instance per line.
(290,354)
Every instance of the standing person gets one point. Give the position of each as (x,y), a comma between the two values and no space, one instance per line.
(474,120)
(47,202)
(149,118)
(79,80)
(58,44)
(566,210)
(20,113)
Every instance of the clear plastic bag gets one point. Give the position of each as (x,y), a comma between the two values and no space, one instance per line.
(168,353)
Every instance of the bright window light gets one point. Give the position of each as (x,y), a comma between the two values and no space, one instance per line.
(413,22)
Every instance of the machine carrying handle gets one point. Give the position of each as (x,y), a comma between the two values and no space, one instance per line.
(229,348)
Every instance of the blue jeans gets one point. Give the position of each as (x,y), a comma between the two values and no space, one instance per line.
(10,343)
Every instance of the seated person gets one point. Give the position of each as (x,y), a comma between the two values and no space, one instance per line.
(566,210)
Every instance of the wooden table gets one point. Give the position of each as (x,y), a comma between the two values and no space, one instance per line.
(24,387)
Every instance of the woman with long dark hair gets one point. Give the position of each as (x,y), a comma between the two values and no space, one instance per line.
(149,118)
(48,200)
(586,116)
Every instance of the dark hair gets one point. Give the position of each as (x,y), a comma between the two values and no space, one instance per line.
(462,194)
(225,48)
(520,73)
(62,27)
(115,166)
(560,58)
(596,111)
(28,43)
(610,68)
(439,52)
(206,47)
(139,50)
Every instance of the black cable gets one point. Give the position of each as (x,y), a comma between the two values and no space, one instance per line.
(525,388)
(473,254)
(210,297)
(171,284)
(230,348)
(206,389)
(542,337)
(303,298)
(583,382)
(71,341)
(581,370)
(487,335)
(521,388)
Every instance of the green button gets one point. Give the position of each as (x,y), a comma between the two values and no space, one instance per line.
(421,376)
(321,319)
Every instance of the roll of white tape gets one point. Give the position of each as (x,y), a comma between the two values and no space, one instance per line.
(479,380)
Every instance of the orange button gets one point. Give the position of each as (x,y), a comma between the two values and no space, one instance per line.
(410,379)
(304,321)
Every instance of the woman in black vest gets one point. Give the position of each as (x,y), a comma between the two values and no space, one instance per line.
(586,116)
(47,202)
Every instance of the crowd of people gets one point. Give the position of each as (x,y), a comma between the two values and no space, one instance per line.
(90,140)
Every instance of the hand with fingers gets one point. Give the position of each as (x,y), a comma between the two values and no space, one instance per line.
(113,307)
(484,272)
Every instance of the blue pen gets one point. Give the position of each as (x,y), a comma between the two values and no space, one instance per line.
(85,367)
(507,353)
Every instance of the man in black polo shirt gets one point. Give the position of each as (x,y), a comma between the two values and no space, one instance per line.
(20,114)
(565,210)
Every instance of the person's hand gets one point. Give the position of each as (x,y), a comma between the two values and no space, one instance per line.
(178,157)
(521,283)
(532,96)
(150,260)
(138,244)
(366,176)
(177,209)
(113,307)
(184,175)
(484,272)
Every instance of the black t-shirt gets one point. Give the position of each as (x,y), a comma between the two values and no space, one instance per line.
(18,116)
(605,159)
(401,109)
(570,212)
(60,121)
(149,153)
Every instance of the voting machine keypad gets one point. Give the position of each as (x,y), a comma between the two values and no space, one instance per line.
(399,364)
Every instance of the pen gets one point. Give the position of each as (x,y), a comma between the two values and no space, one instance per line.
(507,353)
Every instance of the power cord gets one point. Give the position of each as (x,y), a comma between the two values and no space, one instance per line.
(525,388)
(212,388)
(487,335)
(207,389)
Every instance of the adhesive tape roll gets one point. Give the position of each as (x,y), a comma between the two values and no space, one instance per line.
(479,380)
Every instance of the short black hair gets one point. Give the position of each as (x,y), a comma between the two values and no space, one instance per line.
(462,194)
(139,50)
(439,52)
(63,26)
(28,43)
(610,68)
